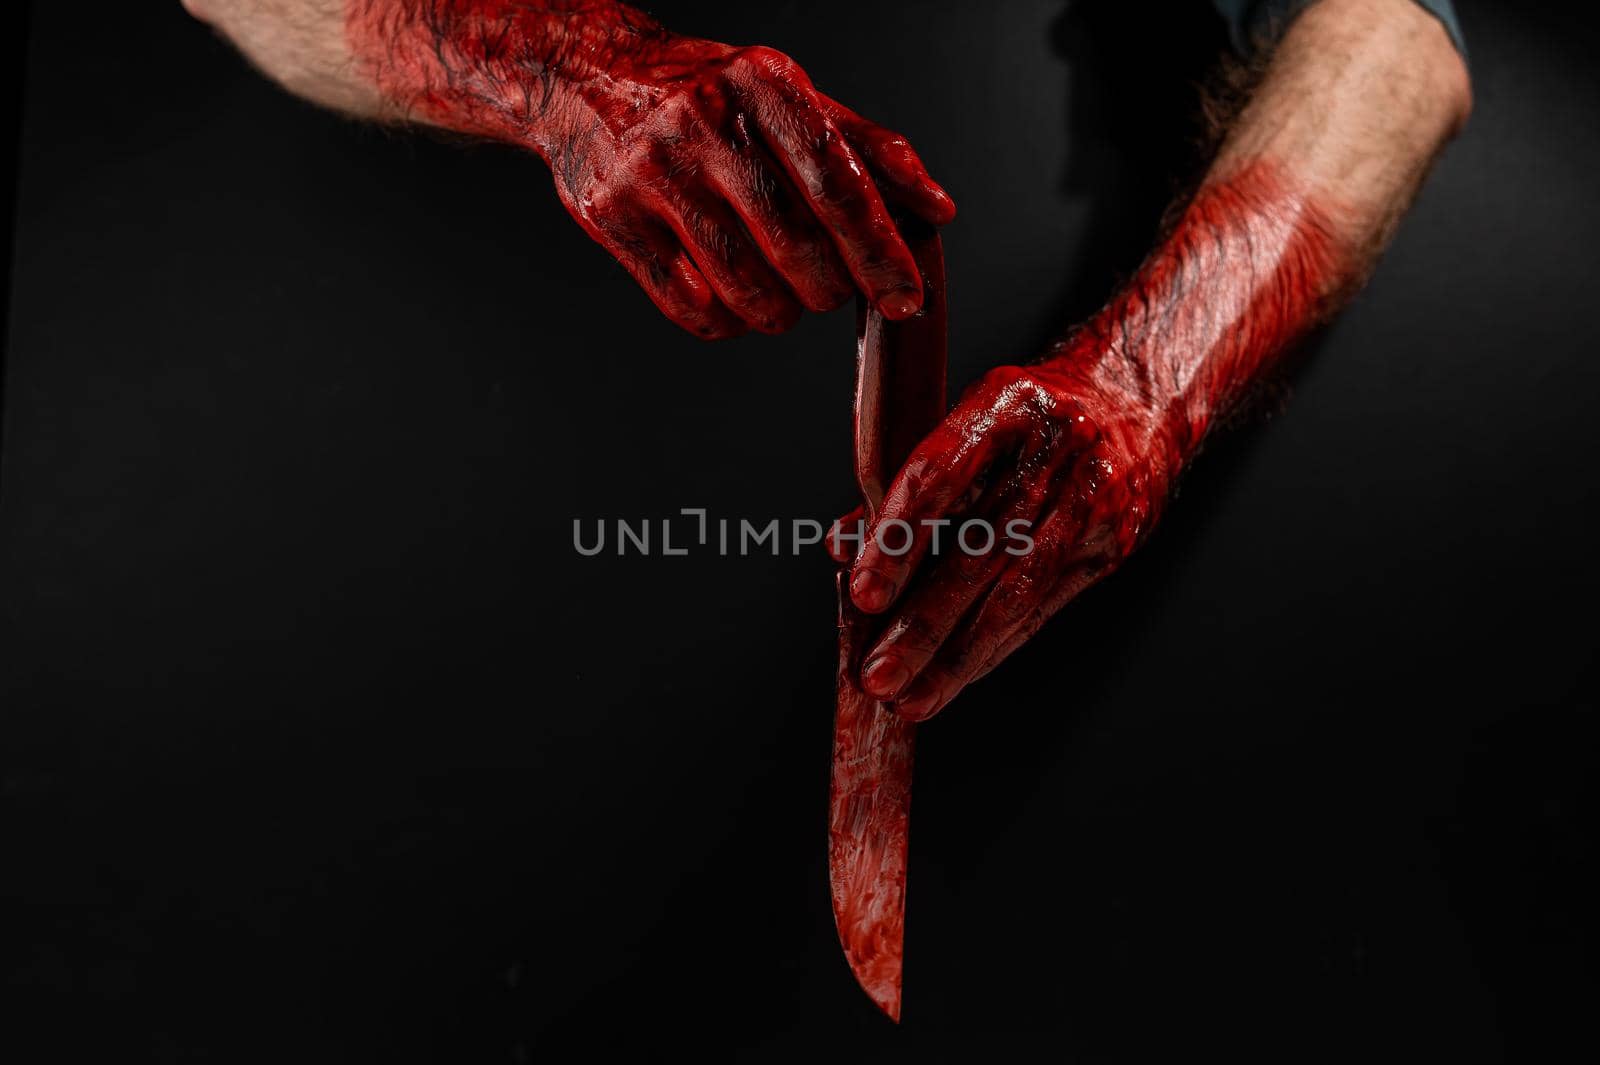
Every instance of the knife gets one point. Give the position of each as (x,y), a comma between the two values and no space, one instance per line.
(900,397)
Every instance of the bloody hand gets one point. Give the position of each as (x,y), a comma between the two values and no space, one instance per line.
(1078,468)
(1083,447)
(732,190)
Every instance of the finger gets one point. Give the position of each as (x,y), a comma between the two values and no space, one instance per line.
(844,536)
(1024,598)
(942,476)
(931,612)
(832,178)
(781,225)
(936,604)
(712,234)
(899,537)
(1072,585)
(902,177)
(650,252)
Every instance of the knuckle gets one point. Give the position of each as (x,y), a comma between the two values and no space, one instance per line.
(915,476)
(890,150)
(820,294)
(882,263)
(762,61)
(690,119)
(649,161)
(911,636)
(818,279)
(922,481)
(999,384)
(599,202)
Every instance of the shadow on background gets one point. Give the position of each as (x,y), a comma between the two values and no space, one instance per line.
(320,745)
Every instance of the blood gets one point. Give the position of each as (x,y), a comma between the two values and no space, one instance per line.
(1253,263)
(735,193)
(1088,442)
(520,71)
(900,396)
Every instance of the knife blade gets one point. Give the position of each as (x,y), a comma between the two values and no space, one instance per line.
(900,397)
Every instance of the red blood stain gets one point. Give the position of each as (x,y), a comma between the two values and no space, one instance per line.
(733,191)
(1086,444)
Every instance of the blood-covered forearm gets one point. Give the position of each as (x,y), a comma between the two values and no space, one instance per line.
(1304,193)
(734,191)
(1085,445)
(460,64)
(533,72)
(1252,263)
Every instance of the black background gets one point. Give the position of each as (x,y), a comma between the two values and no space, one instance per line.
(321,744)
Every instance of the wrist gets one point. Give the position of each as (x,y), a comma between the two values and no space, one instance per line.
(1252,264)
(1134,413)
(534,74)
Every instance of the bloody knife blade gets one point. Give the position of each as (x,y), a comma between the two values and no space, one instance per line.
(900,397)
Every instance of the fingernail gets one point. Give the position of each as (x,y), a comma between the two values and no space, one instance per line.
(901,303)
(871,590)
(919,707)
(884,675)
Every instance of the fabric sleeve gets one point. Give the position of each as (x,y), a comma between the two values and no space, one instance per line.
(1250,20)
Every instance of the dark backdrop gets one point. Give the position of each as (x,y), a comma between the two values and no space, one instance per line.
(321,744)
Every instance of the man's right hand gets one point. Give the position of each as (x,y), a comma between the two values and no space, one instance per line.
(733,191)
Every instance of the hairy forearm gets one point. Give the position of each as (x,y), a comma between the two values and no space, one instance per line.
(1305,191)
(459,64)
(1358,100)
(535,72)
(300,44)
(733,190)
(1086,443)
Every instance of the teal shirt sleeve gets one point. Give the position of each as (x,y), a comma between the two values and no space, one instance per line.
(1246,18)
